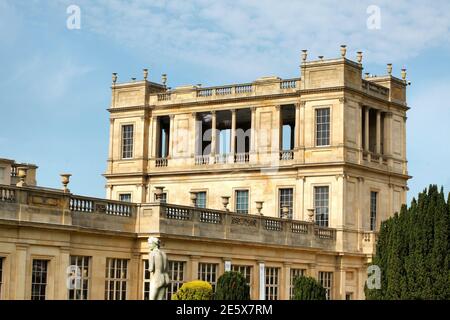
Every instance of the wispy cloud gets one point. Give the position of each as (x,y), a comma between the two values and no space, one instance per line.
(250,36)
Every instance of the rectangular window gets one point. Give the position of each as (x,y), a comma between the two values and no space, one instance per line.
(163,197)
(127,141)
(323,127)
(200,202)
(294,273)
(125,197)
(208,272)
(246,271)
(1,276)
(326,280)
(321,203)
(80,286)
(176,276)
(373,210)
(241,205)
(39,279)
(116,279)
(272,283)
(349,296)
(285,198)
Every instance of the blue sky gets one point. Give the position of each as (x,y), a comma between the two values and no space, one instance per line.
(54,82)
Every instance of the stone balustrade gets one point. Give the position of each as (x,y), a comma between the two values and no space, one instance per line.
(57,208)
(178,220)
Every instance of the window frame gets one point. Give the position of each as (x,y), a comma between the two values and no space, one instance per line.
(208,274)
(164,197)
(125,194)
(294,272)
(33,276)
(322,278)
(206,199)
(116,280)
(122,141)
(373,218)
(316,110)
(2,269)
(247,273)
(83,277)
(272,287)
(236,191)
(316,221)
(291,208)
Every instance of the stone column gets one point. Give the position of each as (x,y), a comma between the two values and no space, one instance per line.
(170,152)
(253,136)
(360,131)
(193,135)
(405,171)
(262,280)
(233,133)
(61,290)
(156,137)
(378,134)
(193,274)
(297,129)
(213,133)
(366,133)
(19,277)
(286,292)
(111,140)
(276,147)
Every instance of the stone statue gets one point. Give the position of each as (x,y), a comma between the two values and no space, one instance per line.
(158,265)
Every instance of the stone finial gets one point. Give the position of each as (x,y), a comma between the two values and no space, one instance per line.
(404,74)
(114,77)
(284,211)
(359,57)
(22,174)
(343,50)
(320,58)
(193,197)
(389,68)
(225,202)
(259,206)
(145,74)
(164,79)
(367,75)
(304,55)
(65,179)
(133,79)
(311,215)
(159,193)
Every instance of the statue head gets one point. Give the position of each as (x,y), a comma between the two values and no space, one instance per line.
(154,243)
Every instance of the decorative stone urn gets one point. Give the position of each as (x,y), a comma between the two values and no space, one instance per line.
(145,73)
(389,68)
(403,74)
(164,79)
(114,78)
(259,206)
(284,211)
(225,202)
(193,198)
(65,179)
(359,57)
(158,193)
(343,50)
(311,215)
(304,55)
(22,174)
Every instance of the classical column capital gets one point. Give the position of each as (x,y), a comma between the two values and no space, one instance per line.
(278,107)
(171,116)
(253,109)
(233,111)
(213,112)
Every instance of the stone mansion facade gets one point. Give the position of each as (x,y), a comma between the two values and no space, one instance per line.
(273,178)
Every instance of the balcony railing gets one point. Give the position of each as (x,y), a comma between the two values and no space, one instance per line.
(110,207)
(242,157)
(221,158)
(241,227)
(201,160)
(161,162)
(164,96)
(286,155)
(7,194)
(371,87)
(288,84)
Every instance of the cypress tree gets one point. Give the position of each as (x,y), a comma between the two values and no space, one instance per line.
(413,250)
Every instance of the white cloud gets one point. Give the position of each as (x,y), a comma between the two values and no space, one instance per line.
(248,37)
